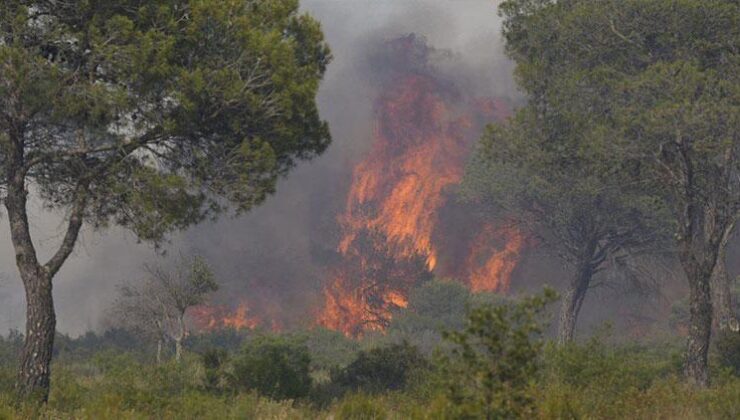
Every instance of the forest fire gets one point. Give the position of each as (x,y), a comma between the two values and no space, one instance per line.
(209,318)
(423,134)
(495,272)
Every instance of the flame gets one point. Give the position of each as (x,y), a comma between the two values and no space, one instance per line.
(495,273)
(354,311)
(422,137)
(414,158)
(210,318)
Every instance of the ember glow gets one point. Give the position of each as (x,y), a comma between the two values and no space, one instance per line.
(495,271)
(423,134)
(209,318)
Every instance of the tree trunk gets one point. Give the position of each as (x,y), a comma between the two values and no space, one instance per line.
(178,349)
(180,337)
(34,369)
(33,377)
(572,301)
(159,351)
(35,360)
(700,323)
(576,292)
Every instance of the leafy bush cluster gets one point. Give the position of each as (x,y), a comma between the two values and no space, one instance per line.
(277,368)
(495,359)
(381,369)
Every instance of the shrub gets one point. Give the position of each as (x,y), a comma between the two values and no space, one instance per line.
(433,307)
(10,348)
(615,368)
(361,407)
(492,366)
(329,349)
(229,339)
(214,362)
(275,367)
(727,350)
(381,368)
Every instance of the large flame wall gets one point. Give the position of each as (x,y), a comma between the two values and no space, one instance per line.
(423,133)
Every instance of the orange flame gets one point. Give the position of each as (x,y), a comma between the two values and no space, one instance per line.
(405,189)
(210,318)
(495,273)
(420,146)
(352,312)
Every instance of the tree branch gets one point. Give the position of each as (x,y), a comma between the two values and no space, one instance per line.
(73,231)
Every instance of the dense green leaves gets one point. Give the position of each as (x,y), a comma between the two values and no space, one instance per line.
(275,367)
(632,120)
(199,104)
(495,358)
(381,369)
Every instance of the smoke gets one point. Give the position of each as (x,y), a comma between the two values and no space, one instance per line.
(276,257)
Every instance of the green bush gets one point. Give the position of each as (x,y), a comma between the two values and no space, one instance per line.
(361,407)
(329,349)
(10,348)
(381,368)
(229,339)
(276,367)
(611,367)
(491,370)
(727,350)
(433,307)
(214,363)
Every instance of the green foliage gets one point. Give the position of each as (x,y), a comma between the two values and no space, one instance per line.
(433,307)
(84,347)
(200,279)
(127,389)
(329,349)
(10,348)
(229,339)
(214,363)
(381,369)
(612,368)
(727,350)
(361,407)
(593,380)
(634,107)
(194,104)
(148,115)
(596,379)
(492,368)
(276,367)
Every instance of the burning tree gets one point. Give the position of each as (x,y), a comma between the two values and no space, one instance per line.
(148,115)
(157,306)
(424,126)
